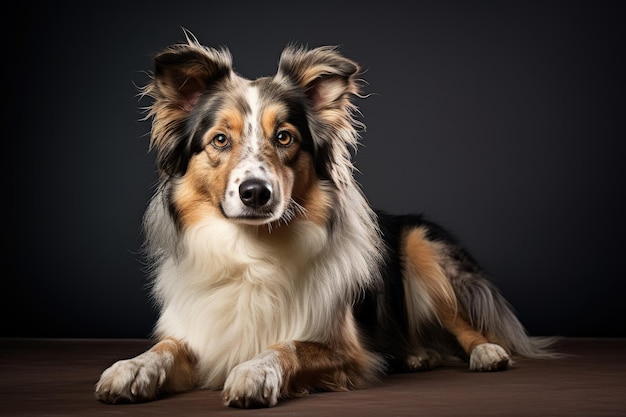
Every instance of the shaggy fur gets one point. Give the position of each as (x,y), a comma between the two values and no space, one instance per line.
(273,275)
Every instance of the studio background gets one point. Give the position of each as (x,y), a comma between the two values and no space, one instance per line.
(502,121)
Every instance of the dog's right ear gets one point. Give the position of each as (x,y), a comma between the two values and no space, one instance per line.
(182,74)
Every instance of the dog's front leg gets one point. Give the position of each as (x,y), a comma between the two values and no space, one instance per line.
(167,367)
(292,367)
(258,382)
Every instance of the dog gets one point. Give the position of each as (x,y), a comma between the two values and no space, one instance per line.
(273,275)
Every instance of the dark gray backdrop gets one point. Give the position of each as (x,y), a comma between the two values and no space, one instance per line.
(503,121)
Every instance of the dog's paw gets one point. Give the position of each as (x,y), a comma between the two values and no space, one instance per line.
(489,357)
(255,383)
(423,360)
(133,380)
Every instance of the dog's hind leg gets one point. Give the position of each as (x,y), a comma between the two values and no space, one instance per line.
(484,355)
(430,295)
(167,367)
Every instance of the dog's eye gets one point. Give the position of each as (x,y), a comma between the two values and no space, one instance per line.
(284,138)
(220,141)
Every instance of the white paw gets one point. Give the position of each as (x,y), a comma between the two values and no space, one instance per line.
(489,357)
(133,380)
(255,383)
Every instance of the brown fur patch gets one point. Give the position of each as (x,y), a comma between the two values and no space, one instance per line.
(231,121)
(182,376)
(423,255)
(339,365)
(292,164)
(271,117)
(199,192)
(467,337)
(309,193)
(195,196)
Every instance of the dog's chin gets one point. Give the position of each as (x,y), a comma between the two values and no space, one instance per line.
(254,217)
(253,220)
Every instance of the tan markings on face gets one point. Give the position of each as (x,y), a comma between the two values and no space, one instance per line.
(200,190)
(272,123)
(294,166)
(231,124)
(271,116)
(307,190)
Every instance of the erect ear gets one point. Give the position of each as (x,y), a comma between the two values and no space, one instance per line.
(182,74)
(328,80)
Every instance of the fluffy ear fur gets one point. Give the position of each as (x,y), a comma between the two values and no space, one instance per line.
(329,81)
(326,77)
(182,74)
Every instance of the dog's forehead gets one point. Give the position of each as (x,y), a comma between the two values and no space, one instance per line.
(250,98)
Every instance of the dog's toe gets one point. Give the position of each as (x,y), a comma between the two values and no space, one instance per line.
(253,384)
(489,357)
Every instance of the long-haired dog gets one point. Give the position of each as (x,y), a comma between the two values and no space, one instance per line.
(273,275)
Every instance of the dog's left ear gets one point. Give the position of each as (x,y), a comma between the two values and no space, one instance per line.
(326,77)
(329,82)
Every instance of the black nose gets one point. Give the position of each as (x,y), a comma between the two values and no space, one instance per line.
(255,193)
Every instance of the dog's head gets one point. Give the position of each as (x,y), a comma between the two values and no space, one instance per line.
(255,151)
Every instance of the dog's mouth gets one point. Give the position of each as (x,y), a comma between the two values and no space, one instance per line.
(268,217)
(253,217)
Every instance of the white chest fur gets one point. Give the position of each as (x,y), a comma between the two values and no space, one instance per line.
(234,292)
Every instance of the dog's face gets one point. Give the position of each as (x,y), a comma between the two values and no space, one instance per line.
(253,151)
(255,143)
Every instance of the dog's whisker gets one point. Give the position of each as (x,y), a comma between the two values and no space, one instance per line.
(292,212)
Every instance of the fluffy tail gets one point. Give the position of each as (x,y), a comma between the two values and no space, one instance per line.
(490,313)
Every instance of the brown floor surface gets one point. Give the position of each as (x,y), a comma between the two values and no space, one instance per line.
(45,377)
